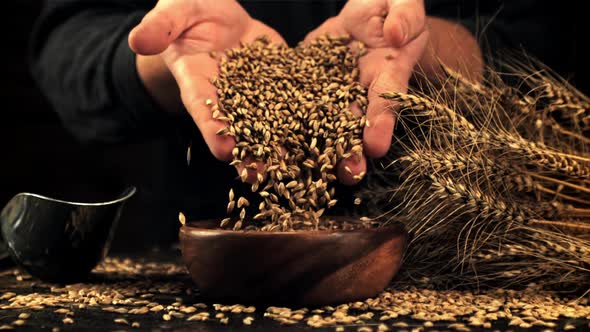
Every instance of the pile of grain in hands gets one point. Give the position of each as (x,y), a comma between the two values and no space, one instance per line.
(289,109)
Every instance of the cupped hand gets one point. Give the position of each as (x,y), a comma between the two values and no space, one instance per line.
(395,36)
(184,33)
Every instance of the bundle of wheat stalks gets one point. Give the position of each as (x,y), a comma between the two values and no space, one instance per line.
(492,179)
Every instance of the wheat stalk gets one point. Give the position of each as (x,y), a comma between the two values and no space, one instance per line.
(493,186)
(508,144)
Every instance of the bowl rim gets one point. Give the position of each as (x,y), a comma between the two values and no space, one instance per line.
(126,194)
(188,229)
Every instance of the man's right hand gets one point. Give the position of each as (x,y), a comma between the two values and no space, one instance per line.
(183,33)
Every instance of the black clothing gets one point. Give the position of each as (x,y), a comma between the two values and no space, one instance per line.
(81,60)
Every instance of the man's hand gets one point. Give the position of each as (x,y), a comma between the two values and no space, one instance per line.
(183,33)
(395,35)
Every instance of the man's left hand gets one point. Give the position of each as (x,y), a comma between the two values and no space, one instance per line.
(395,35)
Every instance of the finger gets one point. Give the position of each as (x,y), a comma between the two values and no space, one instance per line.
(356,109)
(214,131)
(199,97)
(405,21)
(375,62)
(257,27)
(351,170)
(161,26)
(252,169)
(256,173)
(380,116)
(366,25)
(331,26)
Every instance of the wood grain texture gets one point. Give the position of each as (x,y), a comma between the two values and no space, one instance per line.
(305,268)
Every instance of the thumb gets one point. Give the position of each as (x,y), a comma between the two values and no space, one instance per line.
(161,26)
(380,119)
(332,26)
(405,21)
(380,112)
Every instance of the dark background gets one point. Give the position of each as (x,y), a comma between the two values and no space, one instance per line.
(39,156)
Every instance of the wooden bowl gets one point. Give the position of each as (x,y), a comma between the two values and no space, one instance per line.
(302,268)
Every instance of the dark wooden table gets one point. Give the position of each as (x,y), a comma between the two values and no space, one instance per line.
(95,318)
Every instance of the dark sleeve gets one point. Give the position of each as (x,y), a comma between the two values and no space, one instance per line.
(80,59)
(538,27)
